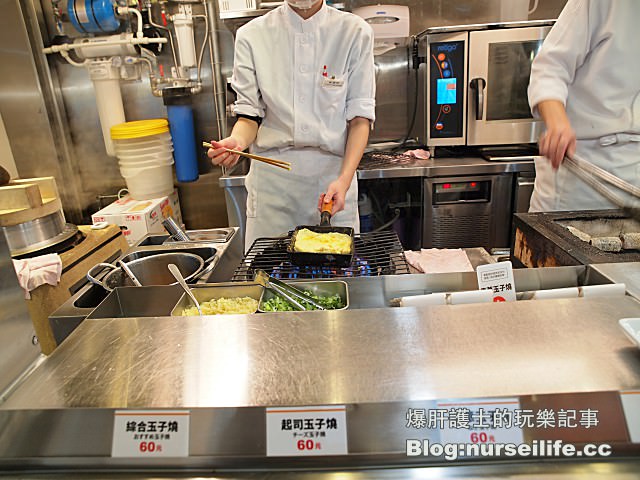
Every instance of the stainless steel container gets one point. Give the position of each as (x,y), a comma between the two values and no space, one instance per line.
(317,287)
(205,293)
(149,270)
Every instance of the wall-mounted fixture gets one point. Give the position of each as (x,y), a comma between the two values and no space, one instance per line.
(390,25)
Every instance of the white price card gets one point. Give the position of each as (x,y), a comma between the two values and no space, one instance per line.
(631,407)
(150,433)
(499,278)
(481,420)
(306,431)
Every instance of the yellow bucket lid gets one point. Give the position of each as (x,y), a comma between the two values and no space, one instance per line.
(139,128)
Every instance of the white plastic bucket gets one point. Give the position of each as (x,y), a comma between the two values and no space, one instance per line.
(145,156)
(136,160)
(149,182)
(133,169)
(158,139)
(145,150)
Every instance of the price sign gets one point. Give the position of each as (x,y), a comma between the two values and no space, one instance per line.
(497,277)
(482,420)
(150,433)
(306,431)
(631,407)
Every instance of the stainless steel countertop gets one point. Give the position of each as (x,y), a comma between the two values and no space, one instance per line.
(437,167)
(624,272)
(562,470)
(378,362)
(352,356)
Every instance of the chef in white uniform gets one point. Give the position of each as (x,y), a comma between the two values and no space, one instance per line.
(585,85)
(304,78)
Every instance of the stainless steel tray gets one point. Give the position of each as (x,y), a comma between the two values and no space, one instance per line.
(206,292)
(317,287)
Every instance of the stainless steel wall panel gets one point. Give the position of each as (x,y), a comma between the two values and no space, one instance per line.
(17,350)
(29,102)
(395,87)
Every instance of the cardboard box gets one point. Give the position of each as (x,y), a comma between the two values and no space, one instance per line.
(136,218)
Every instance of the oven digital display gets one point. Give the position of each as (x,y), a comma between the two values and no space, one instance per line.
(446,91)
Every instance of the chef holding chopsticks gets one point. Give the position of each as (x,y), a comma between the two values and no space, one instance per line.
(585,85)
(304,78)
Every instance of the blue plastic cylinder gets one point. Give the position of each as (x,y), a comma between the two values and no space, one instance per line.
(180,113)
(93,16)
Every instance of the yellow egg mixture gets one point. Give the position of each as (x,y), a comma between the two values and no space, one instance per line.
(313,242)
(222,306)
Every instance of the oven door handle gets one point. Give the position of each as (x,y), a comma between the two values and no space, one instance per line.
(477,85)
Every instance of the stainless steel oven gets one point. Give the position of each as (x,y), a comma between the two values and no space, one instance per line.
(476,84)
(472,211)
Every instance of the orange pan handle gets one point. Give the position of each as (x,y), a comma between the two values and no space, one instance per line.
(325,213)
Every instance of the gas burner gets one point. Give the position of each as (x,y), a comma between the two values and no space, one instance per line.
(359,268)
(376,253)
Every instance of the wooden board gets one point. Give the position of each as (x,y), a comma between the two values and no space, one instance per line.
(28,199)
(98,246)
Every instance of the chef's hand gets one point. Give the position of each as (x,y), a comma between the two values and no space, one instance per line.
(218,154)
(337,191)
(560,138)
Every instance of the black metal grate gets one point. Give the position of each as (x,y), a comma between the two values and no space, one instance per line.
(376,253)
(373,160)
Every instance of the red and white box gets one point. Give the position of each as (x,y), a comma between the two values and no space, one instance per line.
(137,218)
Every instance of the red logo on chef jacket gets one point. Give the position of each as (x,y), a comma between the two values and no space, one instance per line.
(498,298)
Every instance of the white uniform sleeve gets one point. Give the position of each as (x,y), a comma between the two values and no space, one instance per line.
(562,53)
(361,83)
(244,80)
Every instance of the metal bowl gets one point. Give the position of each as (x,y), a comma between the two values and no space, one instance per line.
(150,270)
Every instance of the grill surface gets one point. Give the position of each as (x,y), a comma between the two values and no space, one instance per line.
(376,253)
(542,239)
(373,160)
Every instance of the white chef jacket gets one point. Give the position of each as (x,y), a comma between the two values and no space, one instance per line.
(589,62)
(305,79)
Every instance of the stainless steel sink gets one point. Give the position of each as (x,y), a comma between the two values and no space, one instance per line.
(124,302)
(224,257)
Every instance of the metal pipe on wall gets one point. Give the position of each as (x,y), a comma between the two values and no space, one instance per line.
(219,97)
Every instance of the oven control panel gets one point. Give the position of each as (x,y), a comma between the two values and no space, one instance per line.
(447,68)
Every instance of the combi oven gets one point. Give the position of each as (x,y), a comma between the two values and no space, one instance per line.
(476,83)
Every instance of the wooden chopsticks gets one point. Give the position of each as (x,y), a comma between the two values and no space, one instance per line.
(270,161)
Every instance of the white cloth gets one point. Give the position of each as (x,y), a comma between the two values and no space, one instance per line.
(439,260)
(588,63)
(36,271)
(306,79)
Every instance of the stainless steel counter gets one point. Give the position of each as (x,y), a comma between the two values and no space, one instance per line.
(627,273)
(427,168)
(378,362)
(311,358)
(621,470)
